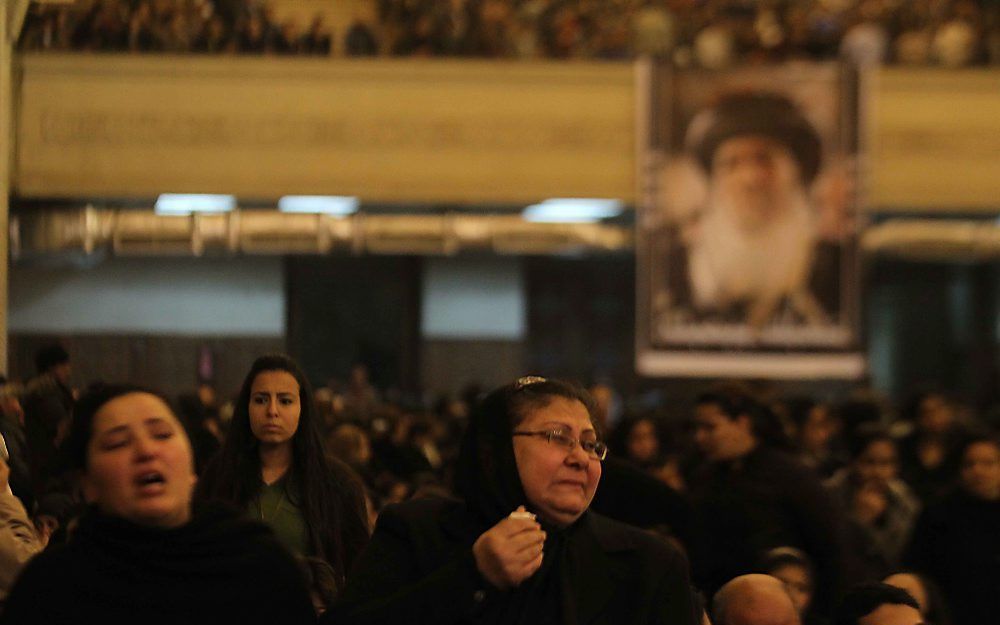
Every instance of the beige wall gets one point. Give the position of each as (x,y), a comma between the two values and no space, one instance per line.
(385,130)
(434,131)
(935,140)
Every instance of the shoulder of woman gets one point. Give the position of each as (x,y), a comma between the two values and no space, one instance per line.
(422,510)
(48,577)
(426,517)
(614,536)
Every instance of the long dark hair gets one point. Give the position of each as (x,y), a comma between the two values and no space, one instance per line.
(330,495)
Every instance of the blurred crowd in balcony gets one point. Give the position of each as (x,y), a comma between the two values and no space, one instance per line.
(706,33)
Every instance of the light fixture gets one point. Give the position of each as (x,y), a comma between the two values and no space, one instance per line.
(573,210)
(187,203)
(326,204)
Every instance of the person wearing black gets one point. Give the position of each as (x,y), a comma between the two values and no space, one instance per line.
(956,542)
(522,547)
(48,403)
(141,553)
(930,455)
(750,496)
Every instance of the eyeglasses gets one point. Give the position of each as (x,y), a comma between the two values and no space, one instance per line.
(595,449)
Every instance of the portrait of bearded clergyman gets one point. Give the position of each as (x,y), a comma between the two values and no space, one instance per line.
(754,249)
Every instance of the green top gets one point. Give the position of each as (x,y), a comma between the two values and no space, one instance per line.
(275,508)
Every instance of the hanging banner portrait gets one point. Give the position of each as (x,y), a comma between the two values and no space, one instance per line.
(746,229)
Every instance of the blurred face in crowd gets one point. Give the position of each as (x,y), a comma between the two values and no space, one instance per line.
(139,462)
(206,395)
(61,372)
(643,443)
(981,470)
(892,614)
(10,407)
(797,582)
(935,415)
(817,429)
(756,178)
(719,437)
(603,397)
(878,463)
(559,482)
(275,407)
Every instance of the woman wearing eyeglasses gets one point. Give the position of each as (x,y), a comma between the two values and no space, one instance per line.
(522,546)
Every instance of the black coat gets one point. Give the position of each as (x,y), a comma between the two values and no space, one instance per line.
(218,568)
(628,494)
(766,499)
(419,569)
(956,542)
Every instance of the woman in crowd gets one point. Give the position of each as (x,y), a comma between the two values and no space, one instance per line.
(141,552)
(955,541)
(795,570)
(813,429)
(930,454)
(522,547)
(881,508)
(638,440)
(275,466)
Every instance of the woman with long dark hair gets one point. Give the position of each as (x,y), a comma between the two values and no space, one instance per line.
(275,466)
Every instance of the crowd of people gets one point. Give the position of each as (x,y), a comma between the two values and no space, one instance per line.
(172,26)
(706,33)
(537,502)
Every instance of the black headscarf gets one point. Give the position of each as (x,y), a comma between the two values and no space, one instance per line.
(488,480)
(486,474)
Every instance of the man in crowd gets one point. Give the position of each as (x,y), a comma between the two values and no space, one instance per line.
(750,496)
(754,600)
(47,407)
(752,254)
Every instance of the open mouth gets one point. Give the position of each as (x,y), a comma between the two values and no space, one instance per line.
(151,478)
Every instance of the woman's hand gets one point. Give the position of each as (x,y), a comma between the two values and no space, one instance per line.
(510,552)
(870,503)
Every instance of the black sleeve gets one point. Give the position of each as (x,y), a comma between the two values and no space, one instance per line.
(38,593)
(628,494)
(389,585)
(352,511)
(822,527)
(675,601)
(921,553)
(280,595)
